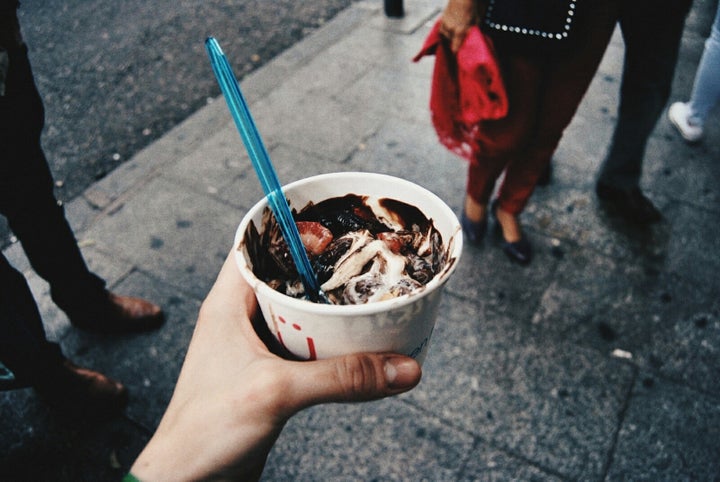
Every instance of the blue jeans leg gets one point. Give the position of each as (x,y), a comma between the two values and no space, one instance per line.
(706,89)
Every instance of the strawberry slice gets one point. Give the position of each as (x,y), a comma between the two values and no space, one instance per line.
(397,242)
(315,236)
(392,240)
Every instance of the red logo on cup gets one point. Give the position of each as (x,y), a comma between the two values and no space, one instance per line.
(312,355)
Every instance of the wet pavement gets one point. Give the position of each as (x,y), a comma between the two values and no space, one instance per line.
(599,361)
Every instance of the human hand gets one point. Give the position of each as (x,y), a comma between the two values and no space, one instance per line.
(234,396)
(457,18)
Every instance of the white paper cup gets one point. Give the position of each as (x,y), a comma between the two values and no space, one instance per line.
(401,325)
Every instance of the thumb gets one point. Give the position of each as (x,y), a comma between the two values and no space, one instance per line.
(352,378)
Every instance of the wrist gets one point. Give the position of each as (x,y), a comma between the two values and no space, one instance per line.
(461,7)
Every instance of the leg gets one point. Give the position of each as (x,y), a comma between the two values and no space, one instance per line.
(28,202)
(706,88)
(563,82)
(480,184)
(27,199)
(652,32)
(689,117)
(36,362)
(24,349)
(562,86)
(503,139)
(498,141)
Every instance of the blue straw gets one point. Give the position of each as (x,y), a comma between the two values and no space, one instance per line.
(264,168)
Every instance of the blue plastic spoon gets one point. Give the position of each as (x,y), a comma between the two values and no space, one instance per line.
(264,168)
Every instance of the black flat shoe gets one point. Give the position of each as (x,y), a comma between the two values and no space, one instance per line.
(474,230)
(630,204)
(519,251)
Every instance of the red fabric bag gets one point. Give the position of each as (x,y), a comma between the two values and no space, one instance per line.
(467,89)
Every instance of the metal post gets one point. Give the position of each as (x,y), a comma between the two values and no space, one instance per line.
(394,8)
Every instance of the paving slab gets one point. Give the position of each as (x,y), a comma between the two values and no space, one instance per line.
(411,444)
(554,404)
(184,241)
(669,433)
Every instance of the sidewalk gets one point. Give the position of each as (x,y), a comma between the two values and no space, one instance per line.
(599,361)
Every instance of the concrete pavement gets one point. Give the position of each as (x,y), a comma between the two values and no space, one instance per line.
(599,361)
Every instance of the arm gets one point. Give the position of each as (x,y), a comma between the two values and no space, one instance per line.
(233,396)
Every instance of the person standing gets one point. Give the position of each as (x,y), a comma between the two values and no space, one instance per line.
(546,76)
(689,117)
(652,31)
(38,221)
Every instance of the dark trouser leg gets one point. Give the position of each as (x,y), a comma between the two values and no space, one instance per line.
(501,139)
(24,349)
(27,198)
(652,31)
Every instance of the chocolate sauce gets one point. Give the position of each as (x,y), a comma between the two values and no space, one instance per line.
(390,253)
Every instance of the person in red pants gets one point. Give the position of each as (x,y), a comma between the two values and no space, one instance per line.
(28,202)
(545,80)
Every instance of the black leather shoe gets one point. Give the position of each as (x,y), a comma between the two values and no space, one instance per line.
(121,314)
(518,251)
(474,230)
(81,392)
(630,204)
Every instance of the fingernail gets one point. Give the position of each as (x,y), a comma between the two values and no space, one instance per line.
(401,372)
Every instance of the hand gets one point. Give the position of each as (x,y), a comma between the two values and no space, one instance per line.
(233,396)
(457,18)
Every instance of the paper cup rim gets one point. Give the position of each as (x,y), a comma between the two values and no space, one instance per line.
(263,289)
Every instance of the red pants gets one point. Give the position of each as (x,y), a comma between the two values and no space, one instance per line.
(544,91)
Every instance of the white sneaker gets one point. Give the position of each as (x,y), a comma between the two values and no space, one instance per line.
(679,115)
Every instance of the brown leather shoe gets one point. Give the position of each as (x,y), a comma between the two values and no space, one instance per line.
(82,392)
(122,314)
